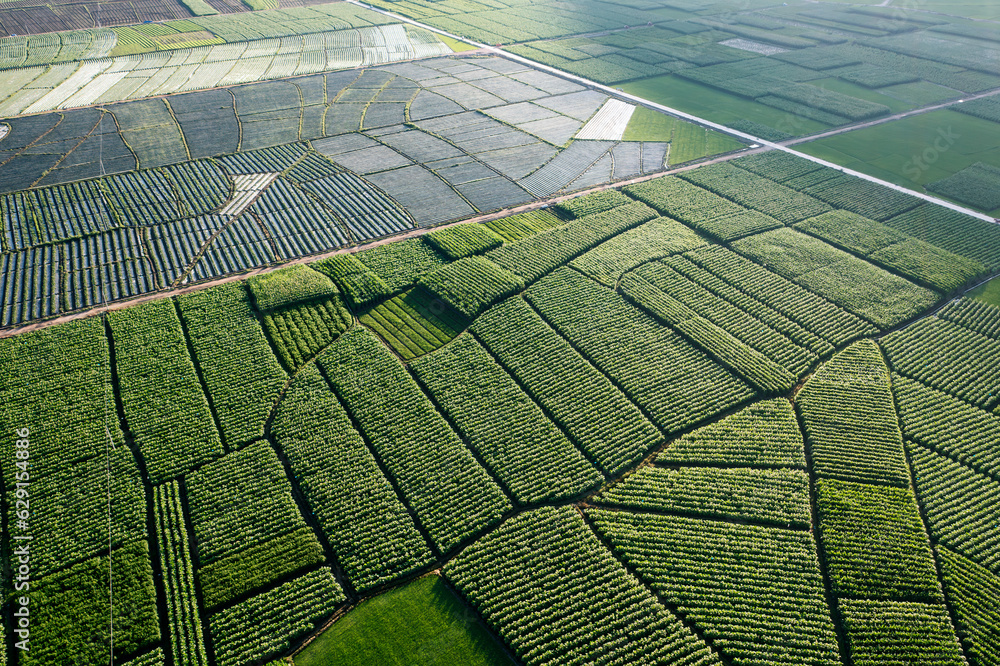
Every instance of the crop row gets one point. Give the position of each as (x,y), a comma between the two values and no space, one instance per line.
(975,186)
(414,323)
(265,625)
(224,518)
(952,231)
(598,202)
(70,610)
(401,264)
(451,494)
(471,285)
(962,505)
(911,632)
(534,256)
(253,567)
(857,286)
(850,421)
(71,361)
(811,311)
(663,374)
(700,208)
(778,165)
(594,413)
(186,641)
(764,434)
(359,284)
(373,537)
(863,197)
(723,576)
(552,591)
(756,318)
(464,240)
(753,191)
(972,594)
(730,352)
(667,276)
(778,496)
(526,451)
(948,425)
(522,225)
(69,512)
(875,542)
(915,259)
(977,316)
(660,237)
(301,331)
(163,399)
(964,362)
(241,374)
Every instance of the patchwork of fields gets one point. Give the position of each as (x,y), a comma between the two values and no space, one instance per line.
(346,157)
(742,414)
(632,349)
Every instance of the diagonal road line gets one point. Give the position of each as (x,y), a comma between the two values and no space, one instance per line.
(678,113)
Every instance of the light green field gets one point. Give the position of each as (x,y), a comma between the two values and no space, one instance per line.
(895,104)
(914,151)
(649,125)
(456,45)
(716,105)
(987,293)
(421,623)
(920,93)
(977,9)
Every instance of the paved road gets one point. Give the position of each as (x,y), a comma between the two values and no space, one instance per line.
(680,114)
(887,119)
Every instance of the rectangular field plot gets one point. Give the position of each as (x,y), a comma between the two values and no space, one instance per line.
(631,348)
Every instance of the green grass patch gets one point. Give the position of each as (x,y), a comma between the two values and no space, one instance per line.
(199,7)
(716,105)
(693,142)
(987,293)
(649,125)
(422,623)
(455,45)
(920,93)
(288,286)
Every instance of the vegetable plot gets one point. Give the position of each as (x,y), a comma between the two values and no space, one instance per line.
(529,454)
(565,594)
(451,494)
(373,535)
(162,396)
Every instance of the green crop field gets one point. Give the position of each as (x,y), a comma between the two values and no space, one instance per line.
(917,151)
(422,622)
(328,339)
(987,293)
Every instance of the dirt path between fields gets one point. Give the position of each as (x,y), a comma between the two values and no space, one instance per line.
(412,233)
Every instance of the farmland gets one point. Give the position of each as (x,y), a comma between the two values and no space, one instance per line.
(325,339)
(649,390)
